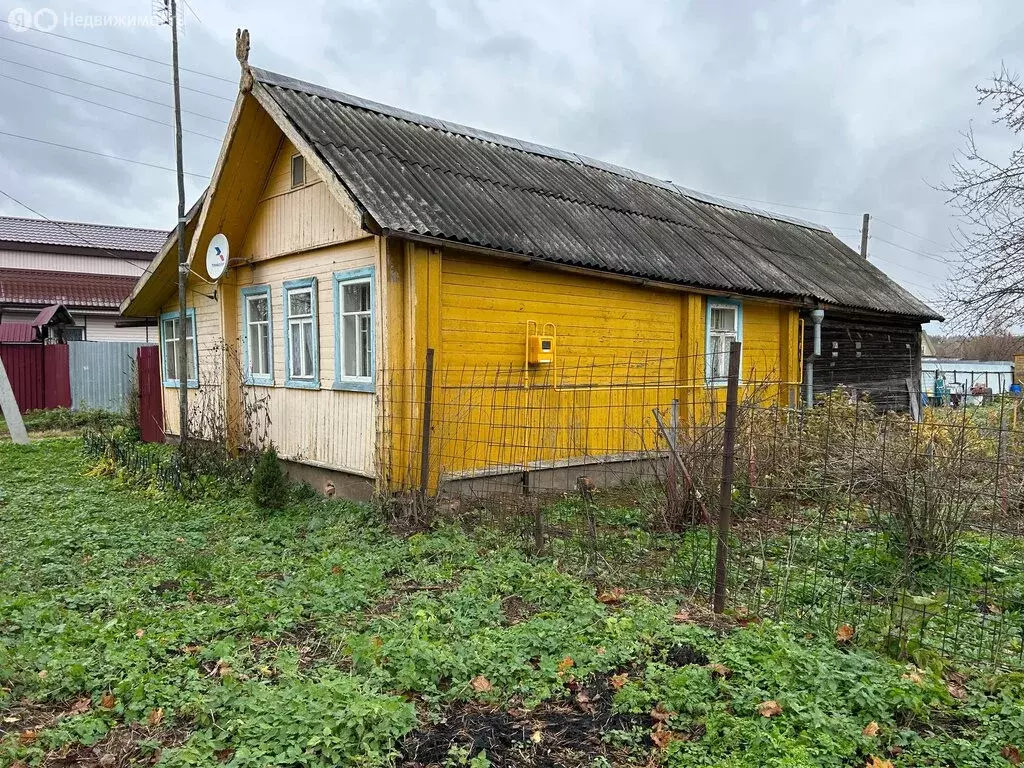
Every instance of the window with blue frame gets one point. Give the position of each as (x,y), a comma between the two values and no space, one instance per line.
(301,342)
(724,326)
(354,330)
(258,335)
(171,339)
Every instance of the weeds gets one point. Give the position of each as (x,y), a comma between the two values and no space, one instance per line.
(206,631)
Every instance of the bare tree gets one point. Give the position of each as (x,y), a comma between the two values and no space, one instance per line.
(993,342)
(987,285)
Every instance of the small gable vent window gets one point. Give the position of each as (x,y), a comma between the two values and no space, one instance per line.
(298,171)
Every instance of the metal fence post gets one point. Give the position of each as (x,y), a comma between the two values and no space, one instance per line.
(428,402)
(728,460)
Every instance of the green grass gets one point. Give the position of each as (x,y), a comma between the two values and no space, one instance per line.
(211,632)
(65,420)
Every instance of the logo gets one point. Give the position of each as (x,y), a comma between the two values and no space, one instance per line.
(20,20)
(45,19)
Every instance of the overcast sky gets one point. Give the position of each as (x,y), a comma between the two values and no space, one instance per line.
(842,106)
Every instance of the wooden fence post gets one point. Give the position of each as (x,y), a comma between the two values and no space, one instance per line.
(728,460)
(428,403)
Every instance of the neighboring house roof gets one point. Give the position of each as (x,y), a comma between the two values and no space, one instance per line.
(71,234)
(35,287)
(18,333)
(55,313)
(421,177)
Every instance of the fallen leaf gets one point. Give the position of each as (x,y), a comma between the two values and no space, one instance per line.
(993,608)
(1011,754)
(80,707)
(11,719)
(601,651)
(662,737)
(481,684)
(42,674)
(336,569)
(878,762)
(957,691)
(659,714)
(612,596)
(681,616)
(719,670)
(845,633)
(191,650)
(871,730)
(769,708)
(107,701)
(565,664)
(107,760)
(914,676)
(618,681)
(536,737)
(27,737)
(223,755)
(582,697)
(223,669)
(156,716)
(140,632)
(179,540)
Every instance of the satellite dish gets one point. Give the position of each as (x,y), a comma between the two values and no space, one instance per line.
(217,256)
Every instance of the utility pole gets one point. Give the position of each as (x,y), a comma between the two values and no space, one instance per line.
(864,236)
(182,363)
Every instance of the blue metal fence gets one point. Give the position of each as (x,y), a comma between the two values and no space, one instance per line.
(102,373)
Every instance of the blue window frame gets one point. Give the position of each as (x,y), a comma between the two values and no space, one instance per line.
(257,335)
(723,325)
(354,334)
(170,338)
(301,334)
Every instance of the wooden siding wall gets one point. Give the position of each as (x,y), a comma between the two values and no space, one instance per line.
(289,220)
(325,427)
(874,359)
(622,349)
(206,407)
(292,234)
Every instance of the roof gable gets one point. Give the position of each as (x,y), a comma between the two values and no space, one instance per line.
(416,175)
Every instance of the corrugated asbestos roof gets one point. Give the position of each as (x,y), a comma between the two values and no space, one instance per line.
(422,176)
(73,289)
(71,234)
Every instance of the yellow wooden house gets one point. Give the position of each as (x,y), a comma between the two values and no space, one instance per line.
(563,297)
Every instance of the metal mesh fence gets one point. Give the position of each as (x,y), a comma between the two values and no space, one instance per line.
(902,522)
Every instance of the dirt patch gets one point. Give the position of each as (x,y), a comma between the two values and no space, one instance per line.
(32,716)
(515,610)
(564,734)
(684,655)
(311,646)
(125,745)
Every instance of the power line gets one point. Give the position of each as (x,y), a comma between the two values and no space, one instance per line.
(108,88)
(908,232)
(27,207)
(925,254)
(110,66)
(128,53)
(105,106)
(99,154)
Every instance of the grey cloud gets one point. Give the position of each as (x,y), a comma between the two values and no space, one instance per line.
(842,106)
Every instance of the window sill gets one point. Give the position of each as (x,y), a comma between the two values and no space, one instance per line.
(353,385)
(259,381)
(302,383)
(175,384)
